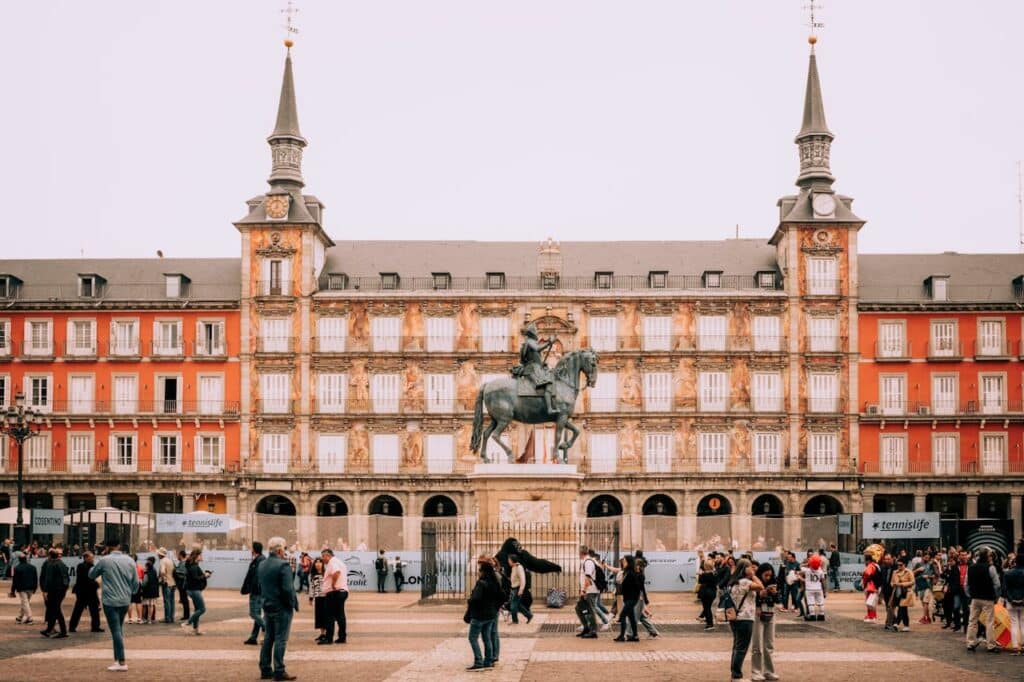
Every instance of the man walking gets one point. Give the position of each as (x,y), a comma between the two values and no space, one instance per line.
(120,582)
(834,561)
(381,565)
(585,607)
(251,587)
(335,590)
(86,591)
(25,582)
(277,589)
(518,580)
(983,588)
(168,590)
(53,583)
(180,575)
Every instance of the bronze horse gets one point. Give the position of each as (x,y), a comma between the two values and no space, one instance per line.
(505,406)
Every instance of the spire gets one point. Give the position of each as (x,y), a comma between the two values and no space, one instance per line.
(286,142)
(814,138)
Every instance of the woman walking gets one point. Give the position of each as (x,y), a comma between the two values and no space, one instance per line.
(135,614)
(150,591)
(762,643)
(743,588)
(902,594)
(482,615)
(706,592)
(195,583)
(631,586)
(316,599)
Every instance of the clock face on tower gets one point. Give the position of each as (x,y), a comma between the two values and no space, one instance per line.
(824,205)
(277,207)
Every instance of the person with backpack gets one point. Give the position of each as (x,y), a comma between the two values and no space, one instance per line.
(381,566)
(518,584)
(588,595)
(195,583)
(180,574)
(150,591)
(1014,579)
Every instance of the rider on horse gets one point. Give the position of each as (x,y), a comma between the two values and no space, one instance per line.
(532,364)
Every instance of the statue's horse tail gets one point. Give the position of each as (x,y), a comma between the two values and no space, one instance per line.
(478,422)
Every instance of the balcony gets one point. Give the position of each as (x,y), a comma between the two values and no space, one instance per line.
(997,349)
(816,406)
(272,407)
(29,350)
(945,351)
(893,351)
(123,349)
(944,408)
(92,466)
(170,349)
(929,468)
(275,344)
(274,288)
(817,286)
(207,350)
(80,350)
(146,408)
(825,345)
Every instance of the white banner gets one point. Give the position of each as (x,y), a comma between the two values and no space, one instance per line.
(901,525)
(47,521)
(193,523)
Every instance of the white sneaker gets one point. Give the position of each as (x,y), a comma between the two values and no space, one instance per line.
(118,668)
(870,620)
(606,626)
(187,627)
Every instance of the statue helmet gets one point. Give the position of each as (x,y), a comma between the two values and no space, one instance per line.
(531,331)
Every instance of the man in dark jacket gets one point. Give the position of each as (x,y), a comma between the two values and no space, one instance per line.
(53,583)
(251,587)
(277,587)
(884,582)
(25,583)
(983,587)
(86,591)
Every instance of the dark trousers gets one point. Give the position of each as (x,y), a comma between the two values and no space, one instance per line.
(399,579)
(183,598)
(628,613)
(335,603)
(54,614)
(382,579)
(707,598)
(902,616)
(82,602)
(278,624)
(742,631)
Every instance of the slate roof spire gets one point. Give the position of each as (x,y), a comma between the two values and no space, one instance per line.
(814,139)
(286,142)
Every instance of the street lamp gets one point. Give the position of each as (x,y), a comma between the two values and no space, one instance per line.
(20,423)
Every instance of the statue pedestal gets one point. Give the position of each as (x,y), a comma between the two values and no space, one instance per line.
(526,493)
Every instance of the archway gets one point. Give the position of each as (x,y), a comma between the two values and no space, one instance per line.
(386,524)
(275,517)
(331,505)
(767,505)
(714,523)
(714,505)
(659,527)
(822,505)
(275,505)
(603,506)
(440,506)
(385,505)
(819,526)
(332,522)
(659,505)
(767,525)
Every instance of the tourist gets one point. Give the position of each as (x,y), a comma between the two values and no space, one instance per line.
(518,582)
(982,588)
(86,591)
(741,584)
(251,587)
(601,580)
(585,608)
(150,591)
(642,611)
(195,583)
(305,563)
(924,574)
(277,588)
(706,592)
(631,587)
(886,568)
(952,593)
(181,582)
(1014,580)
(24,583)
(167,589)
(120,582)
(53,583)
(135,608)
(834,562)
(335,590)
(901,596)
(482,615)
(381,566)
(316,599)
(795,592)
(399,574)
(762,641)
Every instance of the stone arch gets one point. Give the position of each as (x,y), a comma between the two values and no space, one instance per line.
(604,505)
(440,506)
(660,505)
(331,505)
(823,505)
(714,504)
(385,505)
(767,505)
(276,504)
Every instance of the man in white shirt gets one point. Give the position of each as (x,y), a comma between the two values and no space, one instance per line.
(335,591)
(589,593)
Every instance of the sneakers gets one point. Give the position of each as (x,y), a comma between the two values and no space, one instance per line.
(186,626)
(118,668)
(709,628)
(771,676)
(904,628)
(606,626)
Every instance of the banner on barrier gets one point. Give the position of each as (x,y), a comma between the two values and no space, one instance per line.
(47,521)
(901,525)
(193,523)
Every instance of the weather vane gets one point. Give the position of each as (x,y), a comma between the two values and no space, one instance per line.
(289,29)
(813,24)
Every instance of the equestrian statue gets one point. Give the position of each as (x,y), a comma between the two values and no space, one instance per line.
(534,394)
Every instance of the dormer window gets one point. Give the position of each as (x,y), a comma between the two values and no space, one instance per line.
(442,280)
(938,287)
(6,286)
(603,280)
(657,279)
(712,279)
(495,280)
(174,285)
(389,280)
(88,286)
(337,281)
(1018,286)
(766,280)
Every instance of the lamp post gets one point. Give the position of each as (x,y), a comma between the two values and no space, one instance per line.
(20,423)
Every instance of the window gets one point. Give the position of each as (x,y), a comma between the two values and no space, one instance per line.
(168,394)
(210,337)
(603,280)
(122,454)
(80,453)
(604,330)
(172,286)
(658,452)
(38,339)
(894,393)
(943,340)
(494,337)
(767,452)
(209,454)
(211,394)
(5,397)
(81,337)
(894,455)
(822,389)
(5,337)
(543,445)
(274,337)
(167,454)
(384,453)
(37,390)
(712,451)
(126,394)
(823,332)
(384,392)
(275,391)
(440,393)
(711,332)
(336,281)
(992,392)
(440,453)
(657,391)
(332,333)
(892,342)
(940,288)
(993,453)
(6,288)
(767,334)
(330,453)
(604,395)
(86,286)
(277,274)
(80,391)
(822,452)
(767,392)
(384,334)
(388,280)
(167,337)
(442,280)
(766,280)
(603,452)
(657,332)
(275,451)
(712,280)
(440,334)
(944,400)
(331,393)
(821,277)
(495,280)
(713,391)
(944,454)
(37,453)
(657,279)
(124,337)
(990,338)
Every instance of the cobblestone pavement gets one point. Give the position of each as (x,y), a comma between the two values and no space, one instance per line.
(393,638)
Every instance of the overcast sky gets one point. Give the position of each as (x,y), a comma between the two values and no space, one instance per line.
(134,126)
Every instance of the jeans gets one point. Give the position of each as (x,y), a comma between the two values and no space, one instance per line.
(277,624)
(1016,625)
(115,623)
(481,629)
(82,602)
(183,598)
(199,607)
(762,646)
(585,612)
(981,609)
(399,581)
(642,619)
(902,616)
(833,576)
(601,612)
(742,631)
(256,613)
(335,603)
(495,642)
(54,612)
(382,579)
(796,596)
(168,596)
(516,607)
(628,614)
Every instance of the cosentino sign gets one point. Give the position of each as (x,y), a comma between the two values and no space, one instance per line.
(47,521)
(901,526)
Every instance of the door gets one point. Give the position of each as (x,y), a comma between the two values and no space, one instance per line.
(893,394)
(81,395)
(944,394)
(992,394)
(211,395)
(169,395)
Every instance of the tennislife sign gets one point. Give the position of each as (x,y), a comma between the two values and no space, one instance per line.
(193,523)
(901,525)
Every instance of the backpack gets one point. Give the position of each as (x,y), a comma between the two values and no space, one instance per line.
(381,565)
(600,579)
(180,574)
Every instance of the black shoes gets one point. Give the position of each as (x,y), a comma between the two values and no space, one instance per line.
(634,638)
(475,667)
(252,641)
(62,635)
(321,641)
(620,638)
(340,640)
(589,635)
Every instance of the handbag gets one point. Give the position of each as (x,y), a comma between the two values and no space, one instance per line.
(731,610)
(872,600)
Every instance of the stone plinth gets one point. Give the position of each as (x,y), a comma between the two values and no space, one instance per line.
(526,493)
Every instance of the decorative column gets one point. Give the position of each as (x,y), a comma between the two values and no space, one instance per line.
(971,510)
(411,522)
(793,525)
(688,534)
(741,521)
(920,502)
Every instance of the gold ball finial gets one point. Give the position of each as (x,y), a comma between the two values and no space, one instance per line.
(812,39)
(288,42)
